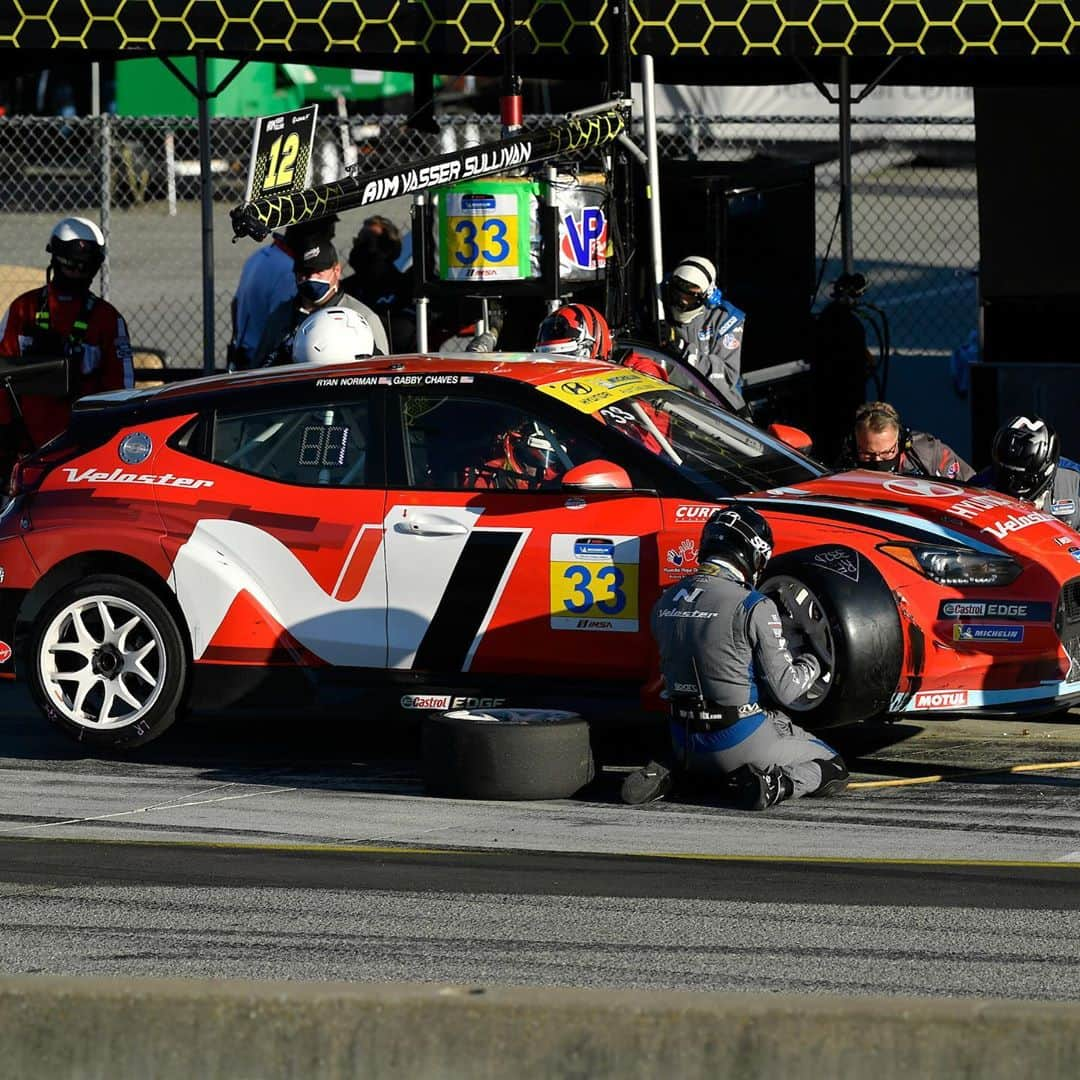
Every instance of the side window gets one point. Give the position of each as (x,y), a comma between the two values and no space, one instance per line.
(324,444)
(459,443)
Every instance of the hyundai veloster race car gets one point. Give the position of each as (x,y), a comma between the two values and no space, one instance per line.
(433,532)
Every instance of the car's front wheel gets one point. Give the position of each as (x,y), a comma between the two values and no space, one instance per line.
(833,601)
(107,662)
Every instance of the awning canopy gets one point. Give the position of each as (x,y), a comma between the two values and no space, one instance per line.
(693,41)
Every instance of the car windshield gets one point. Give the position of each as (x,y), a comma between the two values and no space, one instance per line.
(721,453)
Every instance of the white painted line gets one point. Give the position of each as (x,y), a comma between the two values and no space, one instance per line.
(149,809)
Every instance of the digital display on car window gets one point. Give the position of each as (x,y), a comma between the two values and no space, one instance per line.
(323,445)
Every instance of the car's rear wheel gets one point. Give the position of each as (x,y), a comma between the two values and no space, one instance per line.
(107,662)
(834,602)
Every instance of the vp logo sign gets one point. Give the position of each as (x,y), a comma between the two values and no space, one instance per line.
(584,239)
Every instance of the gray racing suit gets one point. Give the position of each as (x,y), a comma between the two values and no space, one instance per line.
(713,340)
(727,668)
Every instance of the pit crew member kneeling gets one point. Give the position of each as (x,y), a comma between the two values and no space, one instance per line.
(729,673)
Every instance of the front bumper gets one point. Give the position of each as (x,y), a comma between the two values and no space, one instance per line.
(1027,699)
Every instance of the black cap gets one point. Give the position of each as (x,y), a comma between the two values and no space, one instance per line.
(315,254)
(311,227)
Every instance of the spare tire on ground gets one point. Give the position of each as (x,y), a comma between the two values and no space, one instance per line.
(506,754)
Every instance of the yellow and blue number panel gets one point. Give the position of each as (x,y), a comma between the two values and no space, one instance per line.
(594,582)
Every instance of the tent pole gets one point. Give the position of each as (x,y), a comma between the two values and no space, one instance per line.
(648,100)
(206,198)
(846,240)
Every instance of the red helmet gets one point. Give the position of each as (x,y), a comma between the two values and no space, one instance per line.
(575,330)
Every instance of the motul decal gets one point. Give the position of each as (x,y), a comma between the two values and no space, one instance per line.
(940,699)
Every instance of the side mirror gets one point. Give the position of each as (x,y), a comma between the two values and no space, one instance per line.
(598,475)
(794,437)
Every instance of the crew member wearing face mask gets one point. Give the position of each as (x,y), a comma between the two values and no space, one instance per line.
(318,286)
(62,318)
(879,441)
(377,282)
(705,326)
(267,280)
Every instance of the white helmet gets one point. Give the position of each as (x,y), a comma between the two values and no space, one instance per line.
(333,336)
(691,287)
(77,247)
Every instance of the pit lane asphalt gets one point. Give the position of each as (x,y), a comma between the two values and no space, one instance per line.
(250,849)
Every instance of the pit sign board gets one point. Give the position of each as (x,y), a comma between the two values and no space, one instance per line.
(281,153)
(486,230)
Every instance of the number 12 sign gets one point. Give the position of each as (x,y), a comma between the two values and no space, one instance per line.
(281,153)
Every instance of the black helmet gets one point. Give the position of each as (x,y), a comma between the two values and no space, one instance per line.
(740,535)
(1025,456)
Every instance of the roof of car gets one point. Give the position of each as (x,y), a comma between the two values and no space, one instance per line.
(534,368)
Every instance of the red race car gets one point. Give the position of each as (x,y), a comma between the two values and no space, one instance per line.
(438,532)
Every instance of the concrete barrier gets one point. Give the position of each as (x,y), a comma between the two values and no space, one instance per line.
(113,1029)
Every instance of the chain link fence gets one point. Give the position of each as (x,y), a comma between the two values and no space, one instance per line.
(915,213)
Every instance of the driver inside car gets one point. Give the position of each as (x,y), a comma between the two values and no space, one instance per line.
(524,458)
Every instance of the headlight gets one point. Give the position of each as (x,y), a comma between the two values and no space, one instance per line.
(955,566)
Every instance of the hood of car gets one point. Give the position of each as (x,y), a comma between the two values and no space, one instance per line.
(958,513)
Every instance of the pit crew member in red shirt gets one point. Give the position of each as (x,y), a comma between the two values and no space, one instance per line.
(63,318)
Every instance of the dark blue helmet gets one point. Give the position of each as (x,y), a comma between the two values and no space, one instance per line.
(738,535)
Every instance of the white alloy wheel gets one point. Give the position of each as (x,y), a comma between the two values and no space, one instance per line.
(806,628)
(102,662)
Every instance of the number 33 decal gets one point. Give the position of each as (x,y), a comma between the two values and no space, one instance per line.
(492,244)
(584,580)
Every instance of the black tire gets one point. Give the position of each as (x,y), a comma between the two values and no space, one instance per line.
(109,668)
(862,629)
(506,754)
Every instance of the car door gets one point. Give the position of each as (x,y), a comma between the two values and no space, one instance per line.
(280,558)
(492,566)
